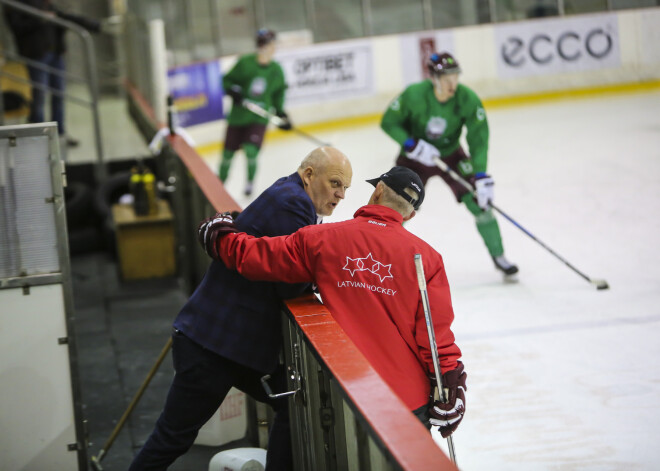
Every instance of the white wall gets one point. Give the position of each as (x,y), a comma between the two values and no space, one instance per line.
(36,406)
(396,60)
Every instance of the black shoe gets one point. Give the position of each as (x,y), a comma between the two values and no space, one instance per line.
(71,142)
(506,267)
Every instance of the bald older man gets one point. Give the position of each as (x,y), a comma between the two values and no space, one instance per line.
(228,333)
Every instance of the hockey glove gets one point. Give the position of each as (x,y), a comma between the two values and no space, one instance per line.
(421,151)
(211,229)
(236,94)
(285,125)
(448,415)
(483,187)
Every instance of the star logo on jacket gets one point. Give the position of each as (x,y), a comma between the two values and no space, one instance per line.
(369,264)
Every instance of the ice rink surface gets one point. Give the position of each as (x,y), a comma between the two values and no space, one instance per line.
(560,376)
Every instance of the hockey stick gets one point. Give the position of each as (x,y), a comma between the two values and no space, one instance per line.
(96,460)
(277,121)
(600,284)
(421,281)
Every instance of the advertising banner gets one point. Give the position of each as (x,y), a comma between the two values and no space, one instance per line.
(416,49)
(560,45)
(649,40)
(328,71)
(197,92)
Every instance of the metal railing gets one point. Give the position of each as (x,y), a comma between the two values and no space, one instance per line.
(343,415)
(90,79)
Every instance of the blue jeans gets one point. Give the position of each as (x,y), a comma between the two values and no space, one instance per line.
(201,382)
(56,82)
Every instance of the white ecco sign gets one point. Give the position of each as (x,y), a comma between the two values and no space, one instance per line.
(551,46)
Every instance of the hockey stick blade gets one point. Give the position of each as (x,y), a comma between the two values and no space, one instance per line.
(600,284)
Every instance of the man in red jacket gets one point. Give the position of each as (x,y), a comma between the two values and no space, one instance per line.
(367,280)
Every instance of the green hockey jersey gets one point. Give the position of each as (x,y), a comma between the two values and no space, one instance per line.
(417,113)
(262,84)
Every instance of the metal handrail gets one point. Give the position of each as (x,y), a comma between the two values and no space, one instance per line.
(47,68)
(16,78)
(92,79)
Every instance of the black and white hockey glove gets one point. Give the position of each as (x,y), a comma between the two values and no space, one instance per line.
(484,189)
(421,151)
(448,415)
(285,123)
(211,229)
(236,94)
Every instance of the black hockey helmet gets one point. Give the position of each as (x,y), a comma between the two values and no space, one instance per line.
(442,63)
(265,36)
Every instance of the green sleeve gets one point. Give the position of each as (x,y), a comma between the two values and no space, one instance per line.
(233,77)
(279,91)
(394,120)
(476,124)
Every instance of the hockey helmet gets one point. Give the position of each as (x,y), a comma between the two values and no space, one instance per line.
(443,63)
(265,36)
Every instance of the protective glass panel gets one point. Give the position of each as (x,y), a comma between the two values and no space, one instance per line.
(339,19)
(513,10)
(623,4)
(572,7)
(237,24)
(393,16)
(285,15)
(449,13)
(178,36)
(200,16)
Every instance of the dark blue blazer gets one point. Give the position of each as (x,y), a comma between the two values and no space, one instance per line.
(240,319)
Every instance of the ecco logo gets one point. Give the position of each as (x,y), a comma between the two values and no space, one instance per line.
(568,46)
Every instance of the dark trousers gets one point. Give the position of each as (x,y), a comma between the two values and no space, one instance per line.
(56,81)
(201,382)
(453,161)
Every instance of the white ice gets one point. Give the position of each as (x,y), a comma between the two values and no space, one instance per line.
(560,376)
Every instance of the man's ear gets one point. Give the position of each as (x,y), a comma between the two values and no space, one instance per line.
(307,175)
(378,193)
(410,216)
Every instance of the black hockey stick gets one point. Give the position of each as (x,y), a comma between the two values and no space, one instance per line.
(600,284)
(421,281)
(277,121)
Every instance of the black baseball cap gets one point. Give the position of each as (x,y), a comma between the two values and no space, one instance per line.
(399,178)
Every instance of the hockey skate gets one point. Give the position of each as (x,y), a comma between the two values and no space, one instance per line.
(249,187)
(506,267)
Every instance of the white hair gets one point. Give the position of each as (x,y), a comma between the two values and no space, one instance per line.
(397,202)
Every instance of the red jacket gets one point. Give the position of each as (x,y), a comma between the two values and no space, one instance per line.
(365,272)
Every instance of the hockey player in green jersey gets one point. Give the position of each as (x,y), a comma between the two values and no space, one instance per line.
(259,79)
(427,120)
